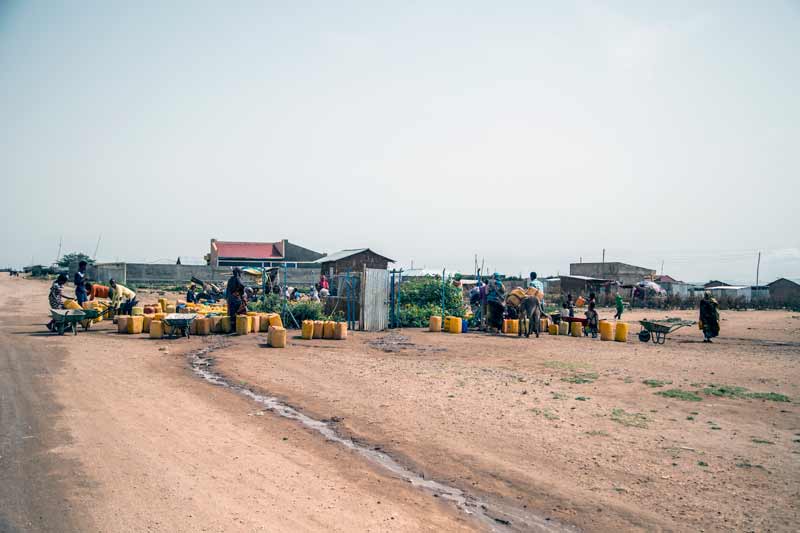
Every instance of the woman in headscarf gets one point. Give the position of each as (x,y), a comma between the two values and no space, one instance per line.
(495,299)
(235,295)
(709,317)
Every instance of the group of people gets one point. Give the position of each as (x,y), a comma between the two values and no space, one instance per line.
(122,298)
(237,294)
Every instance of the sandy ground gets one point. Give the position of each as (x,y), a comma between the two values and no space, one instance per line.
(122,436)
(131,440)
(504,418)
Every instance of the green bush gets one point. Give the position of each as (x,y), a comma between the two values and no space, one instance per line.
(306,311)
(421,299)
(271,305)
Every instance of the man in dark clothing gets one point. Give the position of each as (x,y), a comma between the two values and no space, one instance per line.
(709,317)
(80,283)
(235,295)
(191,294)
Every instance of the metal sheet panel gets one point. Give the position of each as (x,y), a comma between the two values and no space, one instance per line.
(376,300)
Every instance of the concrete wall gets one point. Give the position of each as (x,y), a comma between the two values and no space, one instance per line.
(139,273)
(624,273)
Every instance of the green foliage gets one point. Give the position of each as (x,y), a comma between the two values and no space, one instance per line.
(272,304)
(75,257)
(730,391)
(306,311)
(421,299)
(679,394)
(637,420)
(586,377)
(771,396)
(656,382)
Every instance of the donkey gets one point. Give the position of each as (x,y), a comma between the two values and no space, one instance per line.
(530,310)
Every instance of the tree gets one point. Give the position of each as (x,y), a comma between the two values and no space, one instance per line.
(74,258)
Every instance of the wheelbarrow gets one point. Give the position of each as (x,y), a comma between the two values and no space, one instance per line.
(657,330)
(67,320)
(179,323)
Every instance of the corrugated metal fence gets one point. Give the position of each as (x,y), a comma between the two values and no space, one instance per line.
(375,299)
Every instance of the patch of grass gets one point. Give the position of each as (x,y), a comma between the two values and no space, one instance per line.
(771,396)
(725,391)
(564,365)
(656,382)
(689,418)
(702,463)
(627,379)
(679,394)
(732,391)
(582,398)
(597,433)
(558,395)
(760,441)
(585,377)
(547,413)
(637,420)
(747,464)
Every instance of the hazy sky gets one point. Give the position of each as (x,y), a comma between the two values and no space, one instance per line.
(528,133)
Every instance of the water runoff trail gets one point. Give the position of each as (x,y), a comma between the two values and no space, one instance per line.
(496,516)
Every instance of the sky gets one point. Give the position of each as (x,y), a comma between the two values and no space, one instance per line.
(530,134)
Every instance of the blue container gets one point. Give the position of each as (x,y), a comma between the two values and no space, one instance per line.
(464,325)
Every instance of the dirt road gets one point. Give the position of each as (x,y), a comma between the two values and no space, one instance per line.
(102,432)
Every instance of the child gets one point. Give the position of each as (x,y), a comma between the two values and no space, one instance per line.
(620,307)
(592,321)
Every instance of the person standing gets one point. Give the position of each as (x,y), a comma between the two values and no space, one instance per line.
(235,295)
(80,283)
(620,306)
(709,317)
(535,283)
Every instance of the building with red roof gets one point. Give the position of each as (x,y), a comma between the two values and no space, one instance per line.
(257,254)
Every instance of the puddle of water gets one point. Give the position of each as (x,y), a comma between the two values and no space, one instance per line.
(498,517)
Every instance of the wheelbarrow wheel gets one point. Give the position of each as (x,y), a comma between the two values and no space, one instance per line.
(644,335)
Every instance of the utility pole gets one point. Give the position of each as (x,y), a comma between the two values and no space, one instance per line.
(603,268)
(60,240)
(97,247)
(662,267)
(758,267)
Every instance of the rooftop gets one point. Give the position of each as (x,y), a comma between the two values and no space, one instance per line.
(249,250)
(343,254)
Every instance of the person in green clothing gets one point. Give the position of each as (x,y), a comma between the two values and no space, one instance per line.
(620,307)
